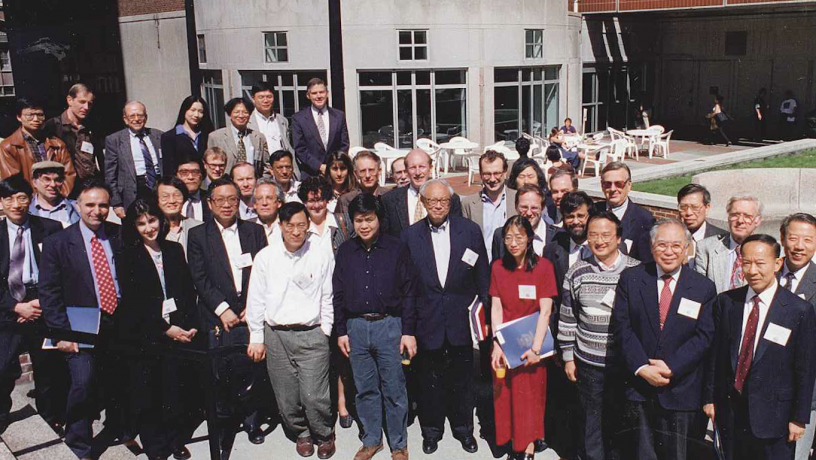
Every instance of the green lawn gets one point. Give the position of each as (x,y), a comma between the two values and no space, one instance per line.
(670,186)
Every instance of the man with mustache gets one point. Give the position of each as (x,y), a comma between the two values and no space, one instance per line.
(491,207)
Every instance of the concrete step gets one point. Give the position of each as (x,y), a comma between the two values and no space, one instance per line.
(29,437)
(5,453)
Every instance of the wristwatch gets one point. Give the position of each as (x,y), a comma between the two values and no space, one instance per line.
(536,352)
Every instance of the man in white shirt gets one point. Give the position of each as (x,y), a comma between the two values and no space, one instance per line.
(290,314)
(243,174)
(268,200)
(283,172)
(274,126)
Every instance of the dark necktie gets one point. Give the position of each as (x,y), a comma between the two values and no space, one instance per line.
(665,299)
(150,167)
(241,147)
(746,353)
(737,277)
(15,277)
(789,281)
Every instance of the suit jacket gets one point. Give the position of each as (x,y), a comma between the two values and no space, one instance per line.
(779,386)
(711,260)
(225,139)
(210,268)
(120,170)
(65,273)
(683,343)
(206,213)
(40,229)
(806,290)
(309,150)
(497,249)
(636,223)
(16,157)
(713,230)
(472,206)
(186,226)
(178,148)
(395,204)
(442,311)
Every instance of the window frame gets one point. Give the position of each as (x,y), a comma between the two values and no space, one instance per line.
(276,47)
(413,45)
(201,44)
(520,83)
(533,45)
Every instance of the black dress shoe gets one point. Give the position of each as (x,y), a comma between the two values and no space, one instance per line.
(540,446)
(181,453)
(58,428)
(469,444)
(429,446)
(346,421)
(256,436)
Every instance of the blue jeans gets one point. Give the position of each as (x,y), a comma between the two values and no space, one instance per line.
(377,369)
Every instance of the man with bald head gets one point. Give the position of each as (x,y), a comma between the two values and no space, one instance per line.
(403,206)
(132,158)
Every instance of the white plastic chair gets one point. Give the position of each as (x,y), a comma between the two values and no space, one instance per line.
(617,151)
(473,166)
(354,151)
(460,152)
(661,144)
(435,152)
(383,147)
(660,129)
(596,163)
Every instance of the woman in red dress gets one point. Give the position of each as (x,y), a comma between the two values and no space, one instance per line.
(521,284)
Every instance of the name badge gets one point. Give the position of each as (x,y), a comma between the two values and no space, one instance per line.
(470,257)
(777,334)
(244,261)
(39,245)
(169,306)
(527,291)
(628,244)
(689,308)
(87,147)
(609,298)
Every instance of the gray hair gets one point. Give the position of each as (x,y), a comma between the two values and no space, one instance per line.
(435,181)
(133,102)
(750,198)
(265,180)
(669,221)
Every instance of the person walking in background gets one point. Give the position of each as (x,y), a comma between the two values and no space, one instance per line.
(788,116)
(760,115)
(718,120)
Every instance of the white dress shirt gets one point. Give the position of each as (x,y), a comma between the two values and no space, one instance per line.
(765,299)
(700,233)
(291,194)
(272,230)
(324,241)
(620,210)
(440,238)
(136,153)
(250,150)
(232,242)
(290,288)
(540,238)
(413,198)
(245,211)
(797,276)
(325,116)
(578,252)
(197,203)
(268,126)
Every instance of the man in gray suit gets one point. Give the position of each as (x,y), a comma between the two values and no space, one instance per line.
(132,158)
(238,140)
(491,207)
(718,257)
(694,203)
(274,126)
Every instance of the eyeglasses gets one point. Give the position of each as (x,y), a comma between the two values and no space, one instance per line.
(230,200)
(736,216)
(521,239)
(216,166)
(492,174)
(695,208)
(601,237)
(18,199)
(167,197)
(663,246)
(289,226)
(48,180)
(31,116)
(616,183)
(437,202)
(188,173)
(136,116)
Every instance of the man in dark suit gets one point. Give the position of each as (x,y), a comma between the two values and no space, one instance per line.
(403,206)
(570,246)
(616,183)
(132,159)
(663,326)
(189,171)
(694,203)
(761,373)
(318,130)
(530,203)
(220,255)
(450,254)
(21,236)
(79,267)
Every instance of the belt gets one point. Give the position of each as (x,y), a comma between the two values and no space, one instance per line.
(293,327)
(374,316)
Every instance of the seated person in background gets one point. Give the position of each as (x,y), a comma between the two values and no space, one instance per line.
(557,140)
(568,128)
(554,156)
(522,147)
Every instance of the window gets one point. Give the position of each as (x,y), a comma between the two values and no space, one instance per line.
(275,47)
(525,101)
(413,45)
(736,43)
(399,107)
(290,88)
(534,43)
(213,90)
(202,49)
(5,60)
(3,35)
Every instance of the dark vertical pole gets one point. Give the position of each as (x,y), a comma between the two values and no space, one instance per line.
(338,96)
(192,48)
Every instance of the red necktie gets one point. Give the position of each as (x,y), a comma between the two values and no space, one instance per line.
(737,278)
(746,354)
(104,279)
(665,299)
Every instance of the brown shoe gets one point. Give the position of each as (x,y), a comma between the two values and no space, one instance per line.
(366,452)
(305,446)
(400,454)
(325,449)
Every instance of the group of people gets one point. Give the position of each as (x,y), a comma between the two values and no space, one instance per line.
(354,302)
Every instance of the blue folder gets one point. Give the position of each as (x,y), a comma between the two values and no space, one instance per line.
(82,319)
(516,337)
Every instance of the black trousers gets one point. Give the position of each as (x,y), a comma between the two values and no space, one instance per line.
(739,442)
(483,392)
(655,433)
(561,425)
(599,417)
(445,380)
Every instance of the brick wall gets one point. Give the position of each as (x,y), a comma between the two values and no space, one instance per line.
(662,213)
(606,6)
(136,7)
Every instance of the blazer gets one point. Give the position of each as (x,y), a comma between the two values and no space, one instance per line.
(497,249)
(65,273)
(206,213)
(806,290)
(395,205)
(683,343)
(178,148)
(120,170)
(636,223)
(713,230)
(442,311)
(711,260)
(779,386)
(16,157)
(286,143)
(211,272)
(40,229)
(309,150)
(225,139)
(473,208)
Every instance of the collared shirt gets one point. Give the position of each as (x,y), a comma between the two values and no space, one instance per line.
(64,212)
(797,276)
(578,252)
(325,116)
(440,238)
(765,299)
(31,273)
(699,234)
(136,152)
(246,212)
(250,150)
(37,147)
(194,140)
(196,203)
(614,266)
(269,127)
(660,282)
(493,216)
(180,236)
(324,241)
(84,160)
(540,237)
(87,234)
(620,210)
(413,199)
(290,288)
(158,262)
(233,244)
(273,230)
(291,194)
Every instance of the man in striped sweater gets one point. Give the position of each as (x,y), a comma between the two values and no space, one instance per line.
(584,337)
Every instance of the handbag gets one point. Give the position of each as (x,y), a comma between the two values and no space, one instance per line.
(721,117)
(233,370)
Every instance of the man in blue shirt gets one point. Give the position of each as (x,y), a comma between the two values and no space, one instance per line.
(48,202)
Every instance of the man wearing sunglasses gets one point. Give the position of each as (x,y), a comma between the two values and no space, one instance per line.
(616,183)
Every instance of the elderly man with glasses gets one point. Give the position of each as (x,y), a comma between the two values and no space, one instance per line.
(694,203)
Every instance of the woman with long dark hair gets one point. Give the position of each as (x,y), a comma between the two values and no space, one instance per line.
(521,284)
(158,299)
(340,173)
(188,138)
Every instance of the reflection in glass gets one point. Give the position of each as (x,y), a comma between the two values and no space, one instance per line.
(451,116)
(506,114)
(405,119)
(376,109)
(423,108)
(551,106)
(526,113)
(537,112)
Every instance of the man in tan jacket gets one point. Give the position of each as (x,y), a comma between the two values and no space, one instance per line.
(29,145)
